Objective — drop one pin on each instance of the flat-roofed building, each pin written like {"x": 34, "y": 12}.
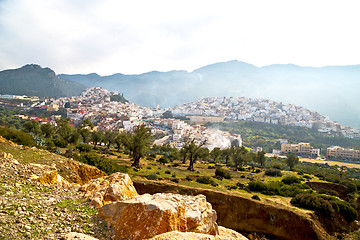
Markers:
{"x": 340, "y": 153}
{"x": 303, "y": 149}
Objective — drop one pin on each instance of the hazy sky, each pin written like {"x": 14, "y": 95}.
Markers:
{"x": 110, "y": 36}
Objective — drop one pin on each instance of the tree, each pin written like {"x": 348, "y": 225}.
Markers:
{"x": 32, "y": 127}
{"x": 84, "y": 130}
{"x": 239, "y": 156}
{"x": 215, "y": 154}
{"x": 191, "y": 149}
{"x": 65, "y": 131}
{"x": 260, "y": 158}
{"x": 137, "y": 142}
{"x": 292, "y": 161}
{"x": 85, "y": 135}
{"x": 97, "y": 136}
{"x": 117, "y": 141}
{"x": 226, "y": 153}
{"x": 47, "y": 130}
{"x": 109, "y": 138}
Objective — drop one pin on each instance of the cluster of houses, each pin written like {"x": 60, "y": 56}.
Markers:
{"x": 262, "y": 110}
{"x": 96, "y": 105}
{"x": 332, "y": 153}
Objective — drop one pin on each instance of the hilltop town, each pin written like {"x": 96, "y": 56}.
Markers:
{"x": 265, "y": 111}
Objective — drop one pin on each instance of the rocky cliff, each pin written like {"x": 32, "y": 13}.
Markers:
{"x": 248, "y": 215}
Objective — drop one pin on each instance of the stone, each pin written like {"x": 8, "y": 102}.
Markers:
{"x": 146, "y": 216}
{"x": 118, "y": 186}
{"x": 224, "y": 234}
{"x": 78, "y": 236}
{"x": 51, "y": 177}
{"x": 229, "y": 234}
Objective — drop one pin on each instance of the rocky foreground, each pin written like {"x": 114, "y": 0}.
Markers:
{"x": 30, "y": 209}
{"x": 37, "y": 203}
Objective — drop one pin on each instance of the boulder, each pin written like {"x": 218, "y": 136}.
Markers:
{"x": 118, "y": 186}
{"x": 146, "y": 216}
{"x": 224, "y": 234}
{"x": 78, "y": 236}
{"x": 83, "y": 173}
{"x": 51, "y": 177}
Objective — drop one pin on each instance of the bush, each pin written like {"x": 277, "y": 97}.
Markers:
{"x": 189, "y": 178}
{"x": 83, "y": 147}
{"x": 211, "y": 167}
{"x": 257, "y": 186}
{"x": 273, "y": 172}
{"x": 256, "y": 197}
{"x": 290, "y": 180}
{"x": 328, "y": 192}
{"x": 17, "y": 136}
{"x": 206, "y": 180}
{"x": 60, "y": 143}
{"x": 175, "y": 180}
{"x": 176, "y": 164}
{"x": 163, "y": 160}
{"x": 152, "y": 176}
{"x": 168, "y": 172}
{"x": 313, "y": 202}
{"x": 152, "y": 155}
{"x": 276, "y": 166}
{"x": 222, "y": 173}
{"x": 240, "y": 185}
{"x": 104, "y": 164}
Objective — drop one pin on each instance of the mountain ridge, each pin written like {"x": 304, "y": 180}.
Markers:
{"x": 331, "y": 90}
{"x": 33, "y": 80}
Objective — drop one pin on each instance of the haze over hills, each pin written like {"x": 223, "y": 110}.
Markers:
{"x": 33, "y": 80}
{"x": 332, "y": 91}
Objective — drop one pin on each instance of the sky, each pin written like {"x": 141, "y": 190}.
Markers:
{"x": 137, "y": 36}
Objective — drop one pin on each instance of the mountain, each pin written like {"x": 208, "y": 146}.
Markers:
{"x": 33, "y": 80}
{"x": 332, "y": 91}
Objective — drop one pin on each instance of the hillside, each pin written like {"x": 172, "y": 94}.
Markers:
{"x": 33, "y": 80}
{"x": 328, "y": 90}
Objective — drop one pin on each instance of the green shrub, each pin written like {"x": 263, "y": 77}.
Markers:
{"x": 273, "y": 172}
{"x": 313, "y": 202}
{"x": 17, "y": 136}
{"x": 206, "y": 180}
{"x": 189, "y": 178}
{"x": 152, "y": 176}
{"x": 176, "y": 164}
{"x": 152, "y": 155}
{"x": 257, "y": 186}
{"x": 163, "y": 160}
{"x": 104, "y": 164}
{"x": 328, "y": 192}
{"x": 83, "y": 147}
{"x": 290, "y": 180}
{"x": 256, "y": 197}
{"x": 175, "y": 180}
{"x": 343, "y": 207}
{"x": 211, "y": 167}
{"x": 168, "y": 172}
{"x": 61, "y": 143}
{"x": 222, "y": 173}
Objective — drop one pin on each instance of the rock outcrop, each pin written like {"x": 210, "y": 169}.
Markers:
{"x": 51, "y": 177}
{"x": 118, "y": 186}
{"x": 247, "y": 215}
{"x": 224, "y": 234}
{"x": 82, "y": 173}
{"x": 146, "y": 216}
